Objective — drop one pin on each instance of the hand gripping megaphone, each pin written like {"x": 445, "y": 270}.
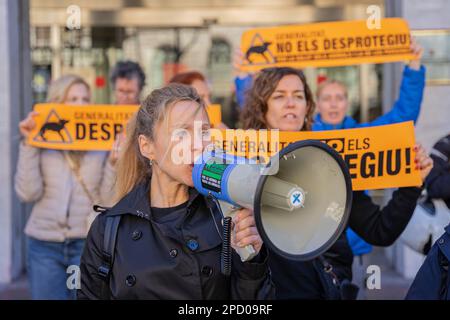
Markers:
{"x": 301, "y": 198}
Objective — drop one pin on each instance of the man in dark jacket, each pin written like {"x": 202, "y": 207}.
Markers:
{"x": 438, "y": 182}
{"x": 168, "y": 253}
{"x": 432, "y": 281}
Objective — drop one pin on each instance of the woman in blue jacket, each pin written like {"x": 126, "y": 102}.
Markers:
{"x": 332, "y": 100}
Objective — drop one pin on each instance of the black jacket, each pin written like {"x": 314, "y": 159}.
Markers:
{"x": 381, "y": 227}
{"x": 438, "y": 182}
{"x": 432, "y": 281}
{"x": 169, "y": 255}
{"x": 378, "y": 226}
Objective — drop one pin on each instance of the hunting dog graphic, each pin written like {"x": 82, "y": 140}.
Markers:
{"x": 262, "y": 49}
{"x": 53, "y": 126}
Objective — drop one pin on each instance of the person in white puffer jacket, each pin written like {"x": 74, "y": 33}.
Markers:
{"x": 63, "y": 185}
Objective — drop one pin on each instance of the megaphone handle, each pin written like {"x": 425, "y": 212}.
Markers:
{"x": 246, "y": 253}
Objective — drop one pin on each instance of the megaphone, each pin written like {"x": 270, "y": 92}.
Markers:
{"x": 301, "y": 198}
{"x": 427, "y": 224}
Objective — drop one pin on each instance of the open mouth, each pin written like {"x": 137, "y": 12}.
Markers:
{"x": 333, "y": 115}
{"x": 290, "y": 116}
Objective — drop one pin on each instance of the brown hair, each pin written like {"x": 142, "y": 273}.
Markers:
{"x": 255, "y": 109}
{"x": 187, "y": 77}
{"x": 132, "y": 167}
{"x": 328, "y": 82}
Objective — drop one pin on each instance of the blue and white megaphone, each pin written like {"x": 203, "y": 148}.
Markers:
{"x": 301, "y": 198}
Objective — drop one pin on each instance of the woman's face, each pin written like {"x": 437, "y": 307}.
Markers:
{"x": 202, "y": 90}
{"x": 332, "y": 103}
{"x": 287, "y": 105}
{"x": 180, "y": 139}
{"x": 78, "y": 94}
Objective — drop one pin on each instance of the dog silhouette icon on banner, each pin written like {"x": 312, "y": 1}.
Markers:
{"x": 259, "y": 48}
{"x": 54, "y": 130}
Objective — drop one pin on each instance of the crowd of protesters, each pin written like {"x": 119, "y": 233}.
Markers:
{"x": 159, "y": 210}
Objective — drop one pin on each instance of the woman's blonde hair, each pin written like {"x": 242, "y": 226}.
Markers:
{"x": 57, "y": 93}
{"x": 328, "y": 82}
{"x": 132, "y": 167}
{"x": 59, "y": 88}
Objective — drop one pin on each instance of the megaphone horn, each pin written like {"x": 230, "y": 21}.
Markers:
{"x": 321, "y": 215}
{"x": 300, "y": 209}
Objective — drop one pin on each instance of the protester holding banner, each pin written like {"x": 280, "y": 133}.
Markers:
{"x": 128, "y": 80}
{"x": 333, "y": 105}
{"x": 63, "y": 186}
{"x": 199, "y": 83}
{"x": 281, "y": 99}
{"x": 332, "y": 100}
{"x": 168, "y": 240}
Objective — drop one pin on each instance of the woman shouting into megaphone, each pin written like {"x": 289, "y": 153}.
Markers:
{"x": 166, "y": 243}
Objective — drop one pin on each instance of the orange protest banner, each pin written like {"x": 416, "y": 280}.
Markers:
{"x": 326, "y": 44}
{"x": 377, "y": 157}
{"x": 87, "y": 127}
{"x": 214, "y": 114}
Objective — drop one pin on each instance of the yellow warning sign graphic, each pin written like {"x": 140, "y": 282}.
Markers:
{"x": 54, "y": 130}
{"x": 259, "y": 47}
